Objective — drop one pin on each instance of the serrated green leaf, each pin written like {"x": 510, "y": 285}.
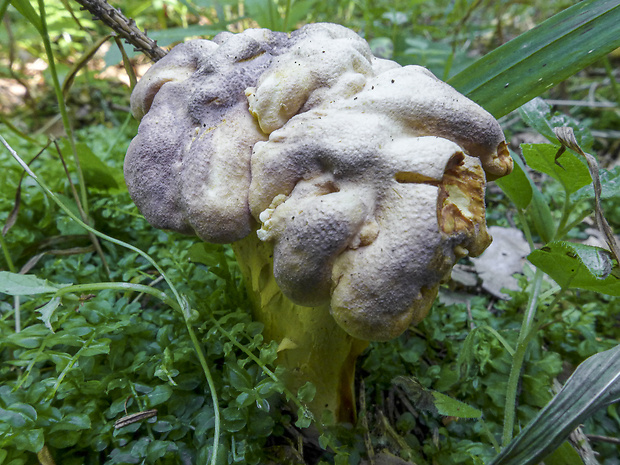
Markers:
{"x": 454, "y": 408}
{"x": 421, "y": 397}
{"x": 537, "y": 114}
{"x": 573, "y": 174}
{"x": 594, "y": 385}
{"x": 610, "y": 186}
{"x": 577, "y": 266}
{"x": 433, "y": 401}
{"x": 517, "y": 186}
{"x": 523, "y": 68}
{"x": 26, "y": 284}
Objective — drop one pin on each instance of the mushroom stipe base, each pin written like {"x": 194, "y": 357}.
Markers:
{"x": 311, "y": 345}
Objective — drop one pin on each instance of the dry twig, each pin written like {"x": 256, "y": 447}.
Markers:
{"x": 124, "y": 27}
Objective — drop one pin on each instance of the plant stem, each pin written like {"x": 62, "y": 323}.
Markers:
{"x": 525, "y": 336}
{"x": 71, "y": 215}
{"x": 124, "y": 27}
{"x": 12, "y": 269}
{"x": 62, "y": 106}
{"x": 18, "y": 314}
{"x": 7, "y": 255}
{"x": 566, "y": 210}
{"x": 205, "y": 368}
{"x": 79, "y": 288}
{"x": 526, "y": 229}
{"x": 69, "y": 366}
{"x": 575, "y": 222}
{"x": 82, "y": 202}
{"x": 83, "y": 215}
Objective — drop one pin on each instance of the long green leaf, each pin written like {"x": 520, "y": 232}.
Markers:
{"x": 26, "y": 284}
{"x": 4, "y": 4}
{"x": 28, "y": 12}
{"x": 594, "y": 384}
{"x": 81, "y": 63}
{"x": 523, "y": 68}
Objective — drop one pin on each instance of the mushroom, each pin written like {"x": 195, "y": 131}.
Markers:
{"x": 348, "y": 185}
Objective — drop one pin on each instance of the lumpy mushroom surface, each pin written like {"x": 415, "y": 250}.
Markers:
{"x": 367, "y": 177}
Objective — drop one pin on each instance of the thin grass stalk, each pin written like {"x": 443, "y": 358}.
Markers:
{"x": 80, "y": 288}
{"x": 7, "y": 254}
{"x": 82, "y": 200}
{"x": 525, "y": 336}
{"x": 62, "y": 105}
{"x": 92, "y": 237}
{"x": 11, "y": 127}
{"x": 12, "y": 269}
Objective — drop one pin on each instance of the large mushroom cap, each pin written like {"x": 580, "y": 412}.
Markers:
{"x": 367, "y": 177}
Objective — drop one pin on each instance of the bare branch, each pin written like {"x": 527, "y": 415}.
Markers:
{"x": 124, "y": 27}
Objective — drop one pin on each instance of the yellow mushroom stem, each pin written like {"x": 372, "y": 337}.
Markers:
{"x": 311, "y": 346}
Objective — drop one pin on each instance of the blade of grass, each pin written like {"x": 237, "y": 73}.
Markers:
{"x": 4, "y": 4}
{"x": 27, "y": 11}
{"x": 61, "y": 105}
{"x": 92, "y": 237}
{"x": 523, "y": 68}
{"x": 594, "y": 385}
{"x": 127, "y": 64}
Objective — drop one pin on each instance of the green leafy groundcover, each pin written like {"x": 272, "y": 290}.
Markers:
{"x": 73, "y": 370}
{"x": 110, "y": 354}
